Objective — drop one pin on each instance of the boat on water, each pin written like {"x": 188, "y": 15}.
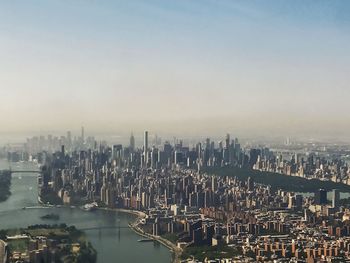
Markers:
{"x": 51, "y": 216}
{"x": 90, "y": 207}
{"x": 145, "y": 240}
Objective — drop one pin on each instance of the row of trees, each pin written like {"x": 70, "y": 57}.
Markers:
{"x": 278, "y": 181}
{"x": 5, "y": 183}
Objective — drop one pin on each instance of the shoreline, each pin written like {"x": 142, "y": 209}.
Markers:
{"x": 175, "y": 251}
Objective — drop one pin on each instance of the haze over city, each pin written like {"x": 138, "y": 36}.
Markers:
{"x": 255, "y": 68}
{"x": 174, "y": 131}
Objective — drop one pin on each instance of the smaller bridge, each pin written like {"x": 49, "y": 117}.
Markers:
{"x": 103, "y": 227}
{"x": 25, "y": 171}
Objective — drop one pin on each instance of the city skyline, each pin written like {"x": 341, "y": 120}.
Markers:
{"x": 285, "y": 202}
{"x": 174, "y": 131}
{"x": 258, "y": 69}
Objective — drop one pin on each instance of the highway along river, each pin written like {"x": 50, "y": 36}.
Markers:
{"x": 112, "y": 245}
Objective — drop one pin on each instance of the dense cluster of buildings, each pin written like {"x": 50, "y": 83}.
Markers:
{"x": 40, "y": 249}
{"x": 46, "y": 244}
{"x": 196, "y": 209}
{"x": 49, "y": 144}
{"x": 312, "y": 165}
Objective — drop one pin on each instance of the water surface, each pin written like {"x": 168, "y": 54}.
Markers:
{"x": 112, "y": 245}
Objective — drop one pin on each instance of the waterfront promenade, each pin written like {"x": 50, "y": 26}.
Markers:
{"x": 135, "y": 226}
{"x": 137, "y": 229}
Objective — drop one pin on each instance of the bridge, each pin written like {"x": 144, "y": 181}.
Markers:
{"x": 21, "y": 171}
{"x": 103, "y": 227}
{"x": 24, "y": 171}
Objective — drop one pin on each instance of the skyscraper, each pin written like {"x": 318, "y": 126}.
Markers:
{"x": 145, "y": 147}
{"x": 227, "y": 141}
{"x": 250, "y": 184}
{"x": 69, "y": 139}
{"x": 321, "y": 197}
{"x": 335, "y": 198}
{"x": 132, "y": 142}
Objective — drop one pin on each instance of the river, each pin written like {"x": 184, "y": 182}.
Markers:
{"x": 112, "y": 245}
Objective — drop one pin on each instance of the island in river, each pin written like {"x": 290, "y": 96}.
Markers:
{"x": 47, "y": 243}
{"x": 5, "y": 183}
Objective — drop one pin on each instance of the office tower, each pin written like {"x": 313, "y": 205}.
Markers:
{"x": 62, "y": 151}
{"x": 227, "y": 141}
{"x": 157, "y": 140}
{"x": 154, "y": 157}
{"x": 117, "y": 151}
{"x": 69, "y": 139}
{"x": 253, "y": 156}
{"x": 321, "y": 197}
{"x": 250, "y": 184}
{"x": 214, "y": 183}
{"x": 176, "y": 157}
{"x": 299, "y": 201}
{"x": 132, "y": 142}
{"x": 336, "y": 198}
{"x": 145, "y": 147}
{"x": 291, "y": 201}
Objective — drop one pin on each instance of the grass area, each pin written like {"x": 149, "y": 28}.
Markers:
{"x": 202, "y": 252}
{"x": 5, "y": 183}
{"x": 278, "y": 181}
{"x": 57, "y": 232}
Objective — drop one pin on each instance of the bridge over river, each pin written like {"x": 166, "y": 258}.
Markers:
{"x": 24, "y": 171}
{"x": 20, "y": 171}
{"x": 103, "y": 227}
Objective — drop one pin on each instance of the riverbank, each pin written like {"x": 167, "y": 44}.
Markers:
{"x": 137, "y": 213}
{"x": 111, "y": 244}
{"x": 171, "y": 246}
{"x": 138, "y": 230}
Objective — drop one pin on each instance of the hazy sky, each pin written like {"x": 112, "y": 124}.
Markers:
{"x": 245, "y": 66}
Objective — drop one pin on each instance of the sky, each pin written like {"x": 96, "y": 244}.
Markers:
{"x": 197, "y": 67}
